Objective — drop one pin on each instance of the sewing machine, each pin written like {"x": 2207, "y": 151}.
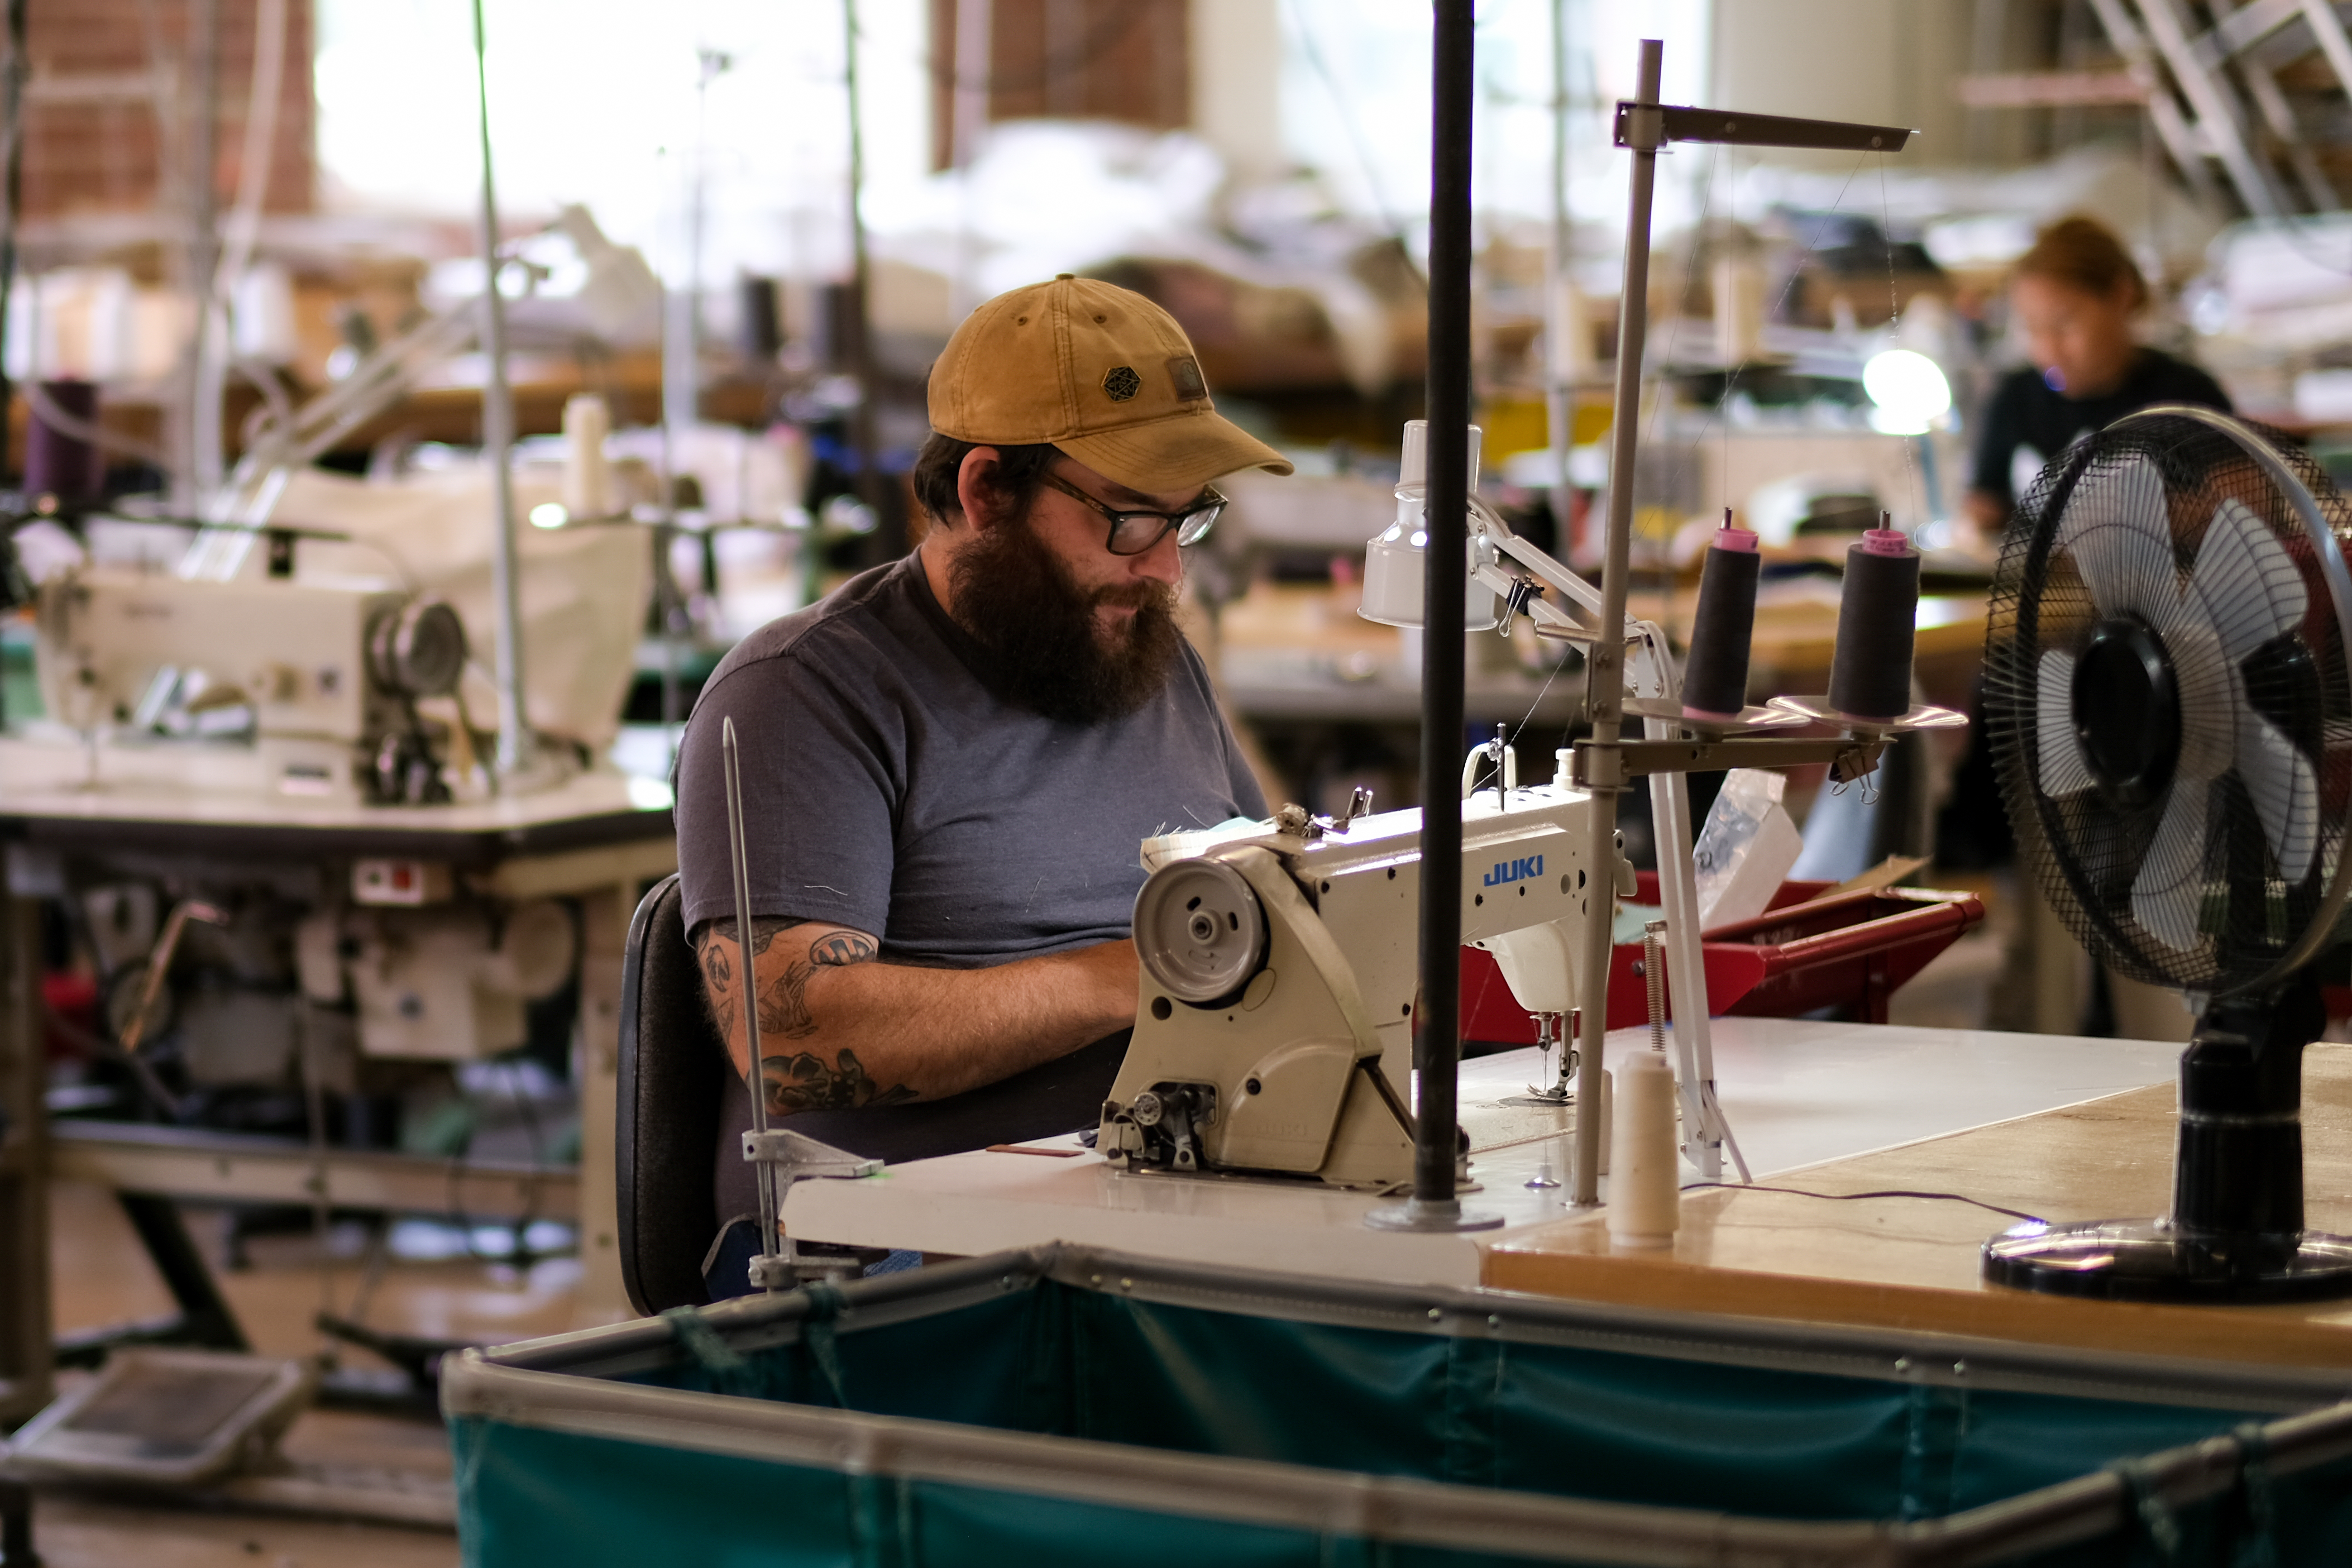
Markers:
{"x": 1272, "y": 1032}
{"x": 150, "y": 675}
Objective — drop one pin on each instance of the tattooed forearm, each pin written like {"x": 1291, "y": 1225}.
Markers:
{"x": 783, "y": 1001}
{"x": 802, "y": 1083}
{"x": 784, "y": 1011}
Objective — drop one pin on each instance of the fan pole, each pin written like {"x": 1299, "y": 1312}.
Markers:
{"x": 2237, "y": 1168}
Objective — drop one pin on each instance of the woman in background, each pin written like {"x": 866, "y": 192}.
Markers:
{"x": 2073, "y": 298}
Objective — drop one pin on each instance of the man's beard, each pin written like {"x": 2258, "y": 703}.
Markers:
{"x": 1038, "y": 628}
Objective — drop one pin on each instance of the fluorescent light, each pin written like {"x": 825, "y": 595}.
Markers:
{"x": 1909, "y": 389}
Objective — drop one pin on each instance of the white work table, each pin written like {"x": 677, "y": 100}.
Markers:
{"x": 1795, "y": 1093}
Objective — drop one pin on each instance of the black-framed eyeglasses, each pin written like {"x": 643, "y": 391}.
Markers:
{"x": 1133, "y": 532}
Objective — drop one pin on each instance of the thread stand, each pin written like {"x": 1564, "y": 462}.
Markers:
{"x": 1817, "y": 710}
{"x": 1756, "y": 718}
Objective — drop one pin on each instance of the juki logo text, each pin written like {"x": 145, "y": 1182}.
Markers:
{"x": 1514, "y": 871}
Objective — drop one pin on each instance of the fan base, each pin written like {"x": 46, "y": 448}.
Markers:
{"x": 2152, "y": 1260}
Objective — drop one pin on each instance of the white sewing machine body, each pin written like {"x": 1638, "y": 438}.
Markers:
{"x": 268, "y": 680}
{"x": 1293, "y": 977}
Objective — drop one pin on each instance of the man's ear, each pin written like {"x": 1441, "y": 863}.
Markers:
{"x": 976, "y": 490}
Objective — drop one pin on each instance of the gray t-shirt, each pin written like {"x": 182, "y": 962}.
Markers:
{"x": 887, "y": 788}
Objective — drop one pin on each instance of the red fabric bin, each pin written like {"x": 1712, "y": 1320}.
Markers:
{"x": 1855, "y": 949}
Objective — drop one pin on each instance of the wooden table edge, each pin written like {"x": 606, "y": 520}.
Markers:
{"x": 2259, "y": 1335}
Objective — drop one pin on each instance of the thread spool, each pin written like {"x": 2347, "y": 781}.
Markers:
{"x": 1871, "y": 676}
{"x": 1714, "y": 680}
{"x": 57, "y": 464}
{"x": 1644, "y": 1181}
{"x": 587, "y": 478}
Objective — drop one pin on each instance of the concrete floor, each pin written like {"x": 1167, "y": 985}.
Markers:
{"x": 102, "y": 1277}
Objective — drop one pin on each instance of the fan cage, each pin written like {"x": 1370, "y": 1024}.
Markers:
{"x": 2085, "y": 850}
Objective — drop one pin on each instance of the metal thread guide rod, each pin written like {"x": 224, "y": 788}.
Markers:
{"x": 779, "y": 1156}
{"x": 1605, "y": 664}
{"x": 1437, "y": 1020}
{"x": 771, "y": 1251}
{"x": 1606, "y": 762}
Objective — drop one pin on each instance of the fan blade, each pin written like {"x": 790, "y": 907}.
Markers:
{"x": 2245, "y": 584}
{"x": 2120, "y": 535}
{"x": 2285, "y": 791}
{"x": 2062, "y": 771}
{"x": 2169, "y": 891}
{"x": 2211, "y": 694}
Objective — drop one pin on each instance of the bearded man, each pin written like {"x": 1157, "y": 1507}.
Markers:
{"x": 950, "y": 762}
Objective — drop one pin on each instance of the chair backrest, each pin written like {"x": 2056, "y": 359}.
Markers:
{"x": 673, "y": 1074}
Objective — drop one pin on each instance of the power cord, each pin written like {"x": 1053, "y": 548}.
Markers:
{"x": 1853, "y": 1198}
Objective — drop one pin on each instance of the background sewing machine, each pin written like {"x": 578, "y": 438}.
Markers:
{"x": 263, "y": 685}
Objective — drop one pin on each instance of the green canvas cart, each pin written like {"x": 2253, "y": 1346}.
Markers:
{"x": 1067, "y": 1405}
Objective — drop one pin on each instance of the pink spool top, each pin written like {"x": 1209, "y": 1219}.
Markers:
{"x": 1735, "y": 538}
{"x": 1887, "y": 542}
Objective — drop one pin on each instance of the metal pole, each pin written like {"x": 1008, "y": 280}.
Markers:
{"x": 974, "y": 51}
{"x": 204, "y": 385}
{"x": 1605, "y": 666}
{"x": 1440, "y": 1019}
{"x": 861, "y": 353}
{"x": 738, "y": 867}
{"x": 1559, "y": 405}
{"x": 12, "y": 189}
{"x": 1437, "y": 1023}
{"x": 497, "y": 439}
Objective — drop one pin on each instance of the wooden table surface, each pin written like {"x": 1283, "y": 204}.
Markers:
{"x": 1912, "y": 1263}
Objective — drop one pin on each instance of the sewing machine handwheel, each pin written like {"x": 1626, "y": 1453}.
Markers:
{"x": 418, "y": 650}
{"x": 1199, "y": 930}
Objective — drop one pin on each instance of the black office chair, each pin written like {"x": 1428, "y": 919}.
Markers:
{"x": 673, "y": 1077}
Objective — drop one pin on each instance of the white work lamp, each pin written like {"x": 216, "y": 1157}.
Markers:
{"x": 1396, "y": 562}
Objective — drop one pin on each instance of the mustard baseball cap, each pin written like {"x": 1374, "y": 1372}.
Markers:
{"x": 1099, "y": 371}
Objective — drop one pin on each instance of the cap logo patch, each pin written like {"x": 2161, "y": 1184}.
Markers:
{"x": 1122, "y": 383}
{"x": 1186, "y": 371}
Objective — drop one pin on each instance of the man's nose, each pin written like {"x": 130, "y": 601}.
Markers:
{"x": 1163, "y": 563}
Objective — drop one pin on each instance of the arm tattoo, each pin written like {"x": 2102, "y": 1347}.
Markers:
{"x": 783, "y": 1006}
{"x": 802, "y": 1083}
{"x": 799, "y": 1083}
{"x": 719, "y": 966}
{"x": 843, "y": 948}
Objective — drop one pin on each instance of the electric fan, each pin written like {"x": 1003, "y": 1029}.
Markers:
{"x": 2166, "y": 697}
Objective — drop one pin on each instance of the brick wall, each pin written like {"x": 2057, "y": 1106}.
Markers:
{"x": 92, "y": 136}
{"x": 1080, "y": 59}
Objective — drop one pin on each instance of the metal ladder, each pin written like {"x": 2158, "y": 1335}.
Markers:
{"x": 2235, "y": 93}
